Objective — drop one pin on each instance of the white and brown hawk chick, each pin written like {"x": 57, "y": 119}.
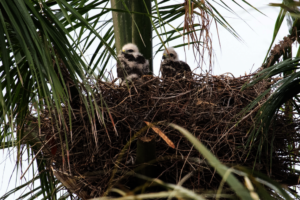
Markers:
{"x": 132, "y": 64}
{"x": 171, "y": 66}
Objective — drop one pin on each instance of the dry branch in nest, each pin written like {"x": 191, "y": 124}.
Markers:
{"x": 207, "y": 106}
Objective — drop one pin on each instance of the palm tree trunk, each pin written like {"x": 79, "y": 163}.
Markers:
{"x": 136, "y": 28}
{"x": 122, "y": 23}
{"x": 146, "y": 154}
{"x": 142, "y": 29}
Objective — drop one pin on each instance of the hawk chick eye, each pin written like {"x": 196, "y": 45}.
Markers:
{"x": 172, "y": 55}
{"x": 130, "y": 50}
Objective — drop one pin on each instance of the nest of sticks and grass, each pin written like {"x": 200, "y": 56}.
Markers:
{"x": 102, "y": 154}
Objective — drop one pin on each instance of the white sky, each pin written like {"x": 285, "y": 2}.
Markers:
{"x": 234, "y": 56}
{"x": 238, "y": 57}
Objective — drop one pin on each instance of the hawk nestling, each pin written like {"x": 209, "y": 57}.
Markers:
{"x": 132, "y": 64}
{"x": 171, "y": 66}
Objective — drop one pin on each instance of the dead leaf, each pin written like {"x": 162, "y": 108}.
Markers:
{"x": 161, "y": 134}
{"x": 113, "y": 123}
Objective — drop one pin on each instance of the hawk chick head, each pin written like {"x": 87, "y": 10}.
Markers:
{"x": 130, "y": 48}
{"x": 170, "y": 54}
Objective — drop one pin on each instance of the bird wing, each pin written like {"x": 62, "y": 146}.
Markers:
{"x": 137, "y": 62}
{"x": 145, "y": 69}
{"x": 122, "y": 67}
{"x": 142, "y": 64}
{"x": 177, "y": 66}
{"x": 185, "y": 66}
{"x": 186, "y": 70}
{"x": 121, "y": 70}
{"x": 140, "y": 59}
{"x": 180, "y": 66}
{"x": 168, "y": 69}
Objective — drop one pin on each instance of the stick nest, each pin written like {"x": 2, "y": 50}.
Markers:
{"x": 206, "y": 105}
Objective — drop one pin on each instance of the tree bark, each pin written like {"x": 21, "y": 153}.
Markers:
{"x": 122, "y": 23}
{"x": 142, "y": 29}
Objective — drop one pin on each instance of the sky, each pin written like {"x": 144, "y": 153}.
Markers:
{"x": 240, "y": 57}
{"x": 234, "y": 56}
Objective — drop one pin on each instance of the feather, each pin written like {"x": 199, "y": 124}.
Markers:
{"x": 133, "y": 64}
{"x": 171, "y": 66}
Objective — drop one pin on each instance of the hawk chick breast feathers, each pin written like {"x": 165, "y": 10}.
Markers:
{"x": 171, "y": 66}
{"x": 132, "y": 64}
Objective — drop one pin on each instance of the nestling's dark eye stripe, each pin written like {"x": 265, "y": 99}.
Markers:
{"x": 171, "y": 54}
{"x": 130, "y": 50}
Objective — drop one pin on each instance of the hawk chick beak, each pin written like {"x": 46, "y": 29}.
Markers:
{"x": 164, "y": 56}
{"x": 123, "y": 50}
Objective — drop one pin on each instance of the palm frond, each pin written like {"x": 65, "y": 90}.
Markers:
{"x": 284, "y": 90}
